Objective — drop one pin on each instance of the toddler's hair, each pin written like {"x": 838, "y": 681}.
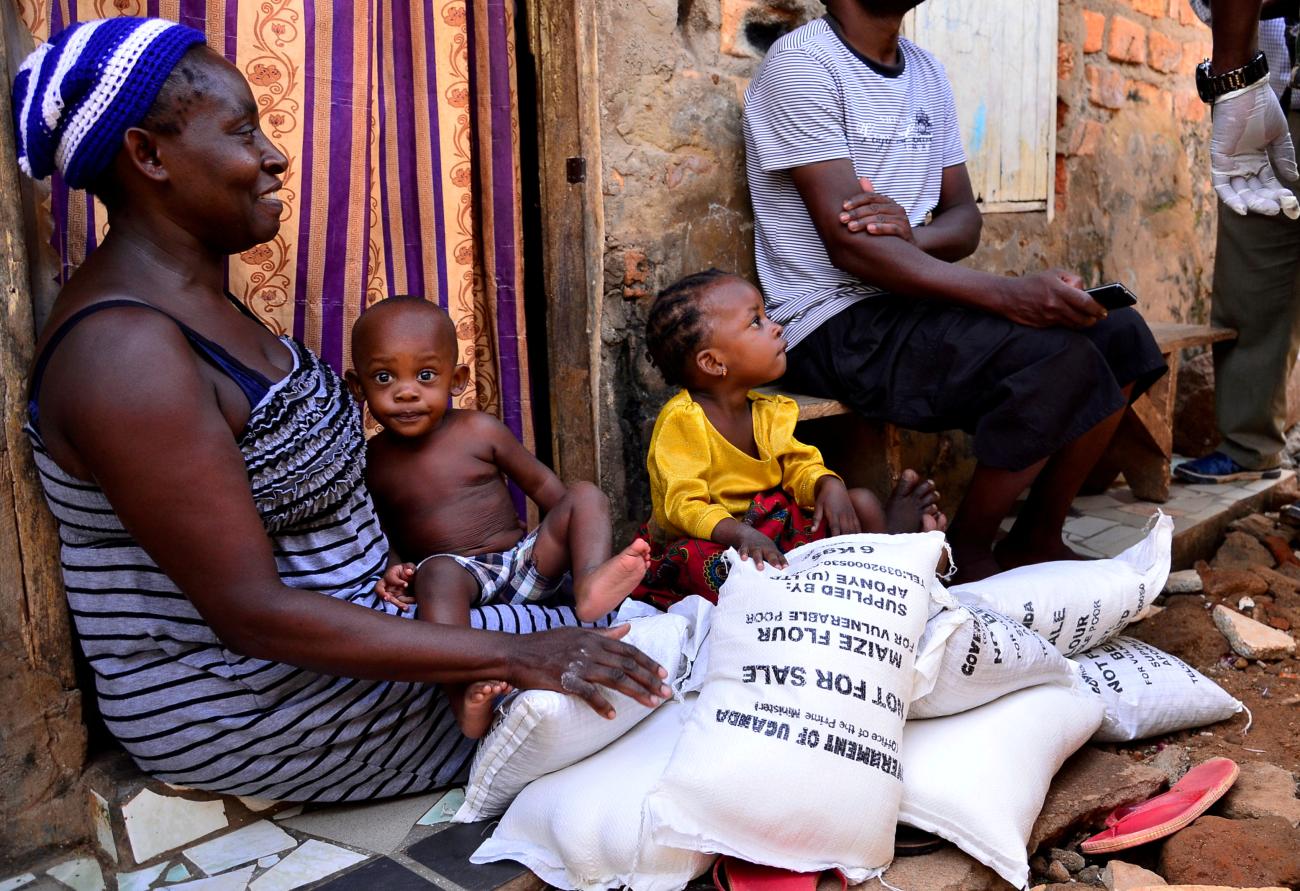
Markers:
{"x": 677, "y": 326}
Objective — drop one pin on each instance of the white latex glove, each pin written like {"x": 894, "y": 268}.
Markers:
{"x": 1251, "y": 138}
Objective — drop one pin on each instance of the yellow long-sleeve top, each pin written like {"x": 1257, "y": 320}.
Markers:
{"x": 698, "y": 479}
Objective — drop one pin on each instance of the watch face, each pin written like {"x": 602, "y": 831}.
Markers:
{"x": 1204, "y": 86}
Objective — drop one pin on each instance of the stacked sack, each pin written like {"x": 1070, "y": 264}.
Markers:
{"x": 804, "y": 677}
{"x": 1008, "y": 707}
{"x": 791, "y": 757}
{"x": 803, "y": 685}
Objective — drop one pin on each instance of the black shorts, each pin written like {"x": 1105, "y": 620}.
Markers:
{"x": 1022, "y": 392}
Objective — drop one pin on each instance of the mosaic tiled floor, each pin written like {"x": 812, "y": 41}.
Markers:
{"x": 396, "y": 845}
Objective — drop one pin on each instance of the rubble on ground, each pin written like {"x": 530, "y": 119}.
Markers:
{"x": 1240, "y": 853}
{"x": 1235, "y": 619}
{"x": 946, "y": 869}
{"x": 1263, "y": 790}
{"x": 1121, "y": 876}
{"x": 1087, "y": 788}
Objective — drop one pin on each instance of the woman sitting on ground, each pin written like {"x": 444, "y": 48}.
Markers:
{"x": 220, "y": 549}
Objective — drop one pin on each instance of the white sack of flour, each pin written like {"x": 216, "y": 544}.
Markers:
{"x": 1078, "y": 604}
{"x": 583, "y": 828}
{"x": 971, "y": 655}
{"x": 1147, "y": 692}
{"x": 541, "y": 731}
{"x": 978, "y": 779}
{"x": 791, "y": 756}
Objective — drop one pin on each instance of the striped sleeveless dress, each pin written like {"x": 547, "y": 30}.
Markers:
{"x": 193, "y": 713}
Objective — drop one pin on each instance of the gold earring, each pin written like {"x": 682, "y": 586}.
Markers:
{"x": 724, "y": 371}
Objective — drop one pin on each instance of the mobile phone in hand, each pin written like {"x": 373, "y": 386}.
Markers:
{"x": 1113, "y": 296}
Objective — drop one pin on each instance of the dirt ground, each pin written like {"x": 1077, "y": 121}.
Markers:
{"x": 1271, "y": 690}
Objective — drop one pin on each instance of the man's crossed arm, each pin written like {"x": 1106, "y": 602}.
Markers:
{"x": 917, "y": 263}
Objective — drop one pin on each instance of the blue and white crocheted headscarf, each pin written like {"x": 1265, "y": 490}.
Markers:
{"x": 76, "y": 95}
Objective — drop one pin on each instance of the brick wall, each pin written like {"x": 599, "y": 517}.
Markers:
{"x": 1132, "y": 195}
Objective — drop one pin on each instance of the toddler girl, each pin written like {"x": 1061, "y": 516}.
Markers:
{"x": 725, "y": 468}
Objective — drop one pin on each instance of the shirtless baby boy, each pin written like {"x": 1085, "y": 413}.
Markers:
{"x": 438, "y": 476}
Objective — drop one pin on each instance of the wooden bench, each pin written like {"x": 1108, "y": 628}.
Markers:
{"x": 873, "y": 454}
{"x": 1144, "y": 442}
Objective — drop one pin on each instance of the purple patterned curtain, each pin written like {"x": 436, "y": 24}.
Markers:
{"x": 400, "y": 122}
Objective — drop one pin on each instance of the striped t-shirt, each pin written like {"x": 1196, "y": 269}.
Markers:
{"x": 816, "y": 99}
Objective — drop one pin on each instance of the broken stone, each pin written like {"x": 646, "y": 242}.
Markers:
{"x": 1281, "y": 623}
{"x": 1057, "y": 872}
{"x": 1240, "y": 664}
{"x": 1090, "y": 875}
{"x": 1246, "y": 603}
{"x": 1071, "y": 860}
{"x": 1173, "y": 762}
{"x": 1226, "y": 583}
{"x": 1241, "y": 551}
{"x": 1184, "y": 581}
{"x": 1238, "y": 853}
{"x": 947, "y": 869}
{"x": 1250, "y": 638}
{"x": 1164, "y": 887}
{"x": 1257, "y": 525}
{"x": 1280, "y": 548}
{"x": 1263, "y": 790}
{"x": 1121, "y": 876}
{"x": 1087, "y": 788}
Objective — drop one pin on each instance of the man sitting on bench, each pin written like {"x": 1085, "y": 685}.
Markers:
{"x": 877, "y": 313}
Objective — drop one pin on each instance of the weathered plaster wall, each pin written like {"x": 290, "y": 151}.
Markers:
{"x": 1132, "y": 200}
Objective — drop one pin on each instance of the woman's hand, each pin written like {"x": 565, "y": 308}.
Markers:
{"x": 835, "y": 507}
{"x": 875, "y": 213}
{"x": 580, "y": 661}
{"x": 394, "y": 585}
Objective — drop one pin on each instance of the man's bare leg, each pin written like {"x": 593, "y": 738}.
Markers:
{"x": 1036, "y": 535}
{"x": 444, "y": 591}
{"x": 990, "y": 497}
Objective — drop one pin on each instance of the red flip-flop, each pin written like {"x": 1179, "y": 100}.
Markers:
{"x": 1187, "y": 799}
{"x": 742, "y": 876}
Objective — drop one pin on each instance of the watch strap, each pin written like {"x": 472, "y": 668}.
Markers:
{"x": 1212, "y": 86}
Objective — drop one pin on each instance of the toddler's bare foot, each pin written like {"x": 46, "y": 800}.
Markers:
{"x": 606, "y": 586}
{"x": 475, "y": 710}
{"x": 913, "y": 506}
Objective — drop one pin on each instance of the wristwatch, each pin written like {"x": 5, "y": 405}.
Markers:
{"x": 1212, "y": 86}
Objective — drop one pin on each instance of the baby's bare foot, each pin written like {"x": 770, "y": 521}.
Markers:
{"x": 913, "y": 506}
{"x": 606, "y": 586}
{"x": 476, "y": 706}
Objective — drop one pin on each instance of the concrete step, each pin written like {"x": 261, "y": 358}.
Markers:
{"x": 1103, "y": 525}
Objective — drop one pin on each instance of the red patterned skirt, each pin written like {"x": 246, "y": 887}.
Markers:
{"x": 696, "y": 566}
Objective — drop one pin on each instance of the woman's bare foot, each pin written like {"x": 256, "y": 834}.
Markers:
{"x": 605, "y": 587}
{"x": 476, "y": 706}
{"x": 1012, "y": 552}
{"x": 913, "y": 506}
